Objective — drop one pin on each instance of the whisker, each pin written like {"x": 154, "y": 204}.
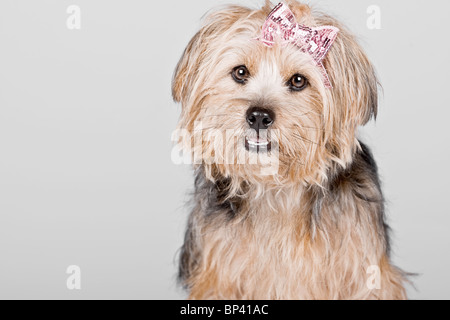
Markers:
{"x": 215, "y": 115}
{"x": 305, "y": 139}
{"x": 309, "y": 112}
{"x": 312, "y": 128}
{"x": 210, "y": 128}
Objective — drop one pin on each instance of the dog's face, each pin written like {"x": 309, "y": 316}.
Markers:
{"x": 255, "y": 104}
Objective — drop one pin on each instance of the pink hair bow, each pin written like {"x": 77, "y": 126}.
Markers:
{"x": 316, "y": 42}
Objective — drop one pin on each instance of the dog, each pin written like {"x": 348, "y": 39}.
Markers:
{"x": 292, "y": 86}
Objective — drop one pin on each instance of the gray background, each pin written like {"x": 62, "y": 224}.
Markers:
{"x": 86, "y": 116}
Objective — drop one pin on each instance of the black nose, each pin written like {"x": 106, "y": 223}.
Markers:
{"x": 259, "y": 118}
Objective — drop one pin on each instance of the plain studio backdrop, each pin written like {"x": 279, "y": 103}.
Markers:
{"x": 86, "y": 116}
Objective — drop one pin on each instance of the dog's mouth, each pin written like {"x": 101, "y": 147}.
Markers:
{"x": 257, "y": 144}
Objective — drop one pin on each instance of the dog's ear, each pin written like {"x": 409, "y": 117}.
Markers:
{"x": 187, "y": 70}
{"x": 355, "y": 84}
{"x": 301, "y": 11}
{"x": 187, "y": 67}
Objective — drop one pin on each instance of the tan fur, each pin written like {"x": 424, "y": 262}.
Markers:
{"x": 275, "y": 248}
{"x": 271, "y": 254}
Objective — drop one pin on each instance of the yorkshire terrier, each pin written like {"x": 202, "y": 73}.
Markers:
{"x": 287, "y": 201}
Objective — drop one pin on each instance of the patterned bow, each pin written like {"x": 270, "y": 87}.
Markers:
{"x": 316, "y": 42}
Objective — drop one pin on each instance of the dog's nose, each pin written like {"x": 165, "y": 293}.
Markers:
{"x": 259, "y": 118}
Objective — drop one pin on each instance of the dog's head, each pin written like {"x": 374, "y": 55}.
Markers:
{"x": 242, "y": 99}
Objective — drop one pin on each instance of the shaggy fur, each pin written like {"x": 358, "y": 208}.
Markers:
{"x": 312, "y": 229}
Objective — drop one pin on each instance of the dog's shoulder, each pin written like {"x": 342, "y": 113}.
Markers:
{"x": 366, "y": 160}
{"x": 361, "y": 174}
{"x": 361, "y": 181}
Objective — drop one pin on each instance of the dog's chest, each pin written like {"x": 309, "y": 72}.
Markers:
{"x": 274, "y": 248}
{"x": 263, "y": 255}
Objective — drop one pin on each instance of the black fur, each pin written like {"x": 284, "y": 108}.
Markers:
{"x": 215, "y": 196}
{"x": 360, "y": 177}
{"x": 211, "y": 201}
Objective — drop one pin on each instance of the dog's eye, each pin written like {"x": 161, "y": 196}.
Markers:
{"x": 297, "y": 82}
{"x": 240, "y": 74}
